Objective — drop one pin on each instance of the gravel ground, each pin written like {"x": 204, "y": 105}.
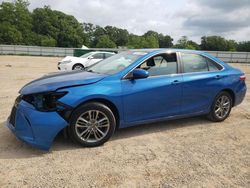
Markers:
{"x": 190, "y": 152}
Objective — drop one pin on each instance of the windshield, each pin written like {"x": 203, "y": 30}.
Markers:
{"x": 115, "y": 63}
{"x": 87, "y": 55}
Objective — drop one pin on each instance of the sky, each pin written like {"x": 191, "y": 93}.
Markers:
{"x": 192, "y": 18}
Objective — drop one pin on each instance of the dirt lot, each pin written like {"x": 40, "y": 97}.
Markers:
{"x": 189, "y": 152}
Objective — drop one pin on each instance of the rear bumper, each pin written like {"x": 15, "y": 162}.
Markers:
{"x": 35, "y": 128}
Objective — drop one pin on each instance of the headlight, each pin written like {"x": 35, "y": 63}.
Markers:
{"x": 68, "y": 61}
{"x": 45, "y": 101}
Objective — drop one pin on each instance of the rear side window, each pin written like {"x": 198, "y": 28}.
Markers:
{"x": 106, "y": 55}
{"x": 198, "y": 63}
{"x": 212, "y": 66}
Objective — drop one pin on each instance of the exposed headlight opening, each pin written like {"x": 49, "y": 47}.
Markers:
{"x": 46, "y": 101}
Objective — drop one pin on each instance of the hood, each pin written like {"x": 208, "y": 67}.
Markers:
{"x": 54, "y": 81}
{"x": 72, "y": 58}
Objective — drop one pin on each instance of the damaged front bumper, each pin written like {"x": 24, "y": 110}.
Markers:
{"x": 35, "y": 127}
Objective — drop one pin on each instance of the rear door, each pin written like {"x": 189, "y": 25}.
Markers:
{"x": 201, "y": 82}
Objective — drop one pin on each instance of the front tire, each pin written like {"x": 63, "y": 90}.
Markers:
{"x": 78, "y": 67}
{"x": 92, "y": 124}
{"x": 221, "y": 107}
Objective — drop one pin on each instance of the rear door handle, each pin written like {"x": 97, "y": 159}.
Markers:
{"x": 175, "y": 82}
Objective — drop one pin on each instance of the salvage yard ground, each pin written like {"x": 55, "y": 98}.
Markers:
{"x": 189, "y": 152}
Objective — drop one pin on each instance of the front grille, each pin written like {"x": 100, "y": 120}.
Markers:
{"x": 13, "y": 116}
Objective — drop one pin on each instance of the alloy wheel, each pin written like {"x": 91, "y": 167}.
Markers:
{"x": 92, "y": 126}
{"x": 222, "y": 106}
{"x": 78, "y": 67}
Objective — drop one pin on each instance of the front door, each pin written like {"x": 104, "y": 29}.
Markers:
{"x": 157, "y": 96}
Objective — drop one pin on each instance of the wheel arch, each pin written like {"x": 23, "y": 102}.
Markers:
{"x": 232, "y": 94}
{"x": 77, "y": 64}
{"x": 107, "y": 103}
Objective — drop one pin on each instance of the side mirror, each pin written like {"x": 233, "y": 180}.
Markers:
{"x": 90, "y": 57}
{"x": 139, "y": 74}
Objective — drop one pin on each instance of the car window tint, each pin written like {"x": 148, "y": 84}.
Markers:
{"x": 98, "y": 56}
{"x": 108, "y": 55}
{"x": 162, "y": 64}
{"x": 194, "y": 63}
{"x": 212, "y": 66}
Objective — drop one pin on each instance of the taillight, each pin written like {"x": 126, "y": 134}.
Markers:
{"x": 243, "y": 77}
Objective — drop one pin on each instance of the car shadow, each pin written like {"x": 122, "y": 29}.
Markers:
{"x": 160, "y": 126}
{"x": 11, "y": 147}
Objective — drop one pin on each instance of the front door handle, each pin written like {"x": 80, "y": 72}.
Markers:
{"x": 175, "y": 82}
{"x": 217, "y": 77}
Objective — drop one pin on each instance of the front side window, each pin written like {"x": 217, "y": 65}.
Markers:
{"x": 163, "y": 64}
{"x": 98, "y": 56}
{"x": 87, "y": 55}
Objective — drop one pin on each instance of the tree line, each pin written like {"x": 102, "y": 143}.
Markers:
{"x": 47, "y": 27}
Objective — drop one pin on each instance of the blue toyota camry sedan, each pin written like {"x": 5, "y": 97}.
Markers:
{"x": 132, "y": 87}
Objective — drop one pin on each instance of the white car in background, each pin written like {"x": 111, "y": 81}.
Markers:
{"x": 80, "y": 63}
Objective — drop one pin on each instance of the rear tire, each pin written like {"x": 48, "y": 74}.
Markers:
{"x": 92, "y": 124}
{"x": 221, "y": 107}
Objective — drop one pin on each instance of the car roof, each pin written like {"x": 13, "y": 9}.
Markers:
{"x": 150, "y": 50}
{"x": 103, "y": 52}
{"x": 173, "y": 50}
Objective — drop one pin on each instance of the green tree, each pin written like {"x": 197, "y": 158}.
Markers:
{"x": 98, "y": 33}
{"x": 135, "y": 41}
{"x": 63, "y": 28}
{"x": 48, "y": 41}
{"x": 243, "y": 46}
{"x": 9, "y": 34}
{"x": 231, "y": 45}
{"x": 48, "y": 27}
{"x": 184, "y": 43}
{"x": 44, "y": 22}
{"x": 150, "y": 42}
{"x": 88, "y": 37}
{"x": 215, "y": 43}
{"x": 151, "y": 33}
{"x": 163, "y": 41}
{"x": 192, "y": 45}
{"x": 23, "y": 20}
{"x": 119, "y": 36}
{"x": 105, "y": 42}
{"x": 15, "y": 20}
